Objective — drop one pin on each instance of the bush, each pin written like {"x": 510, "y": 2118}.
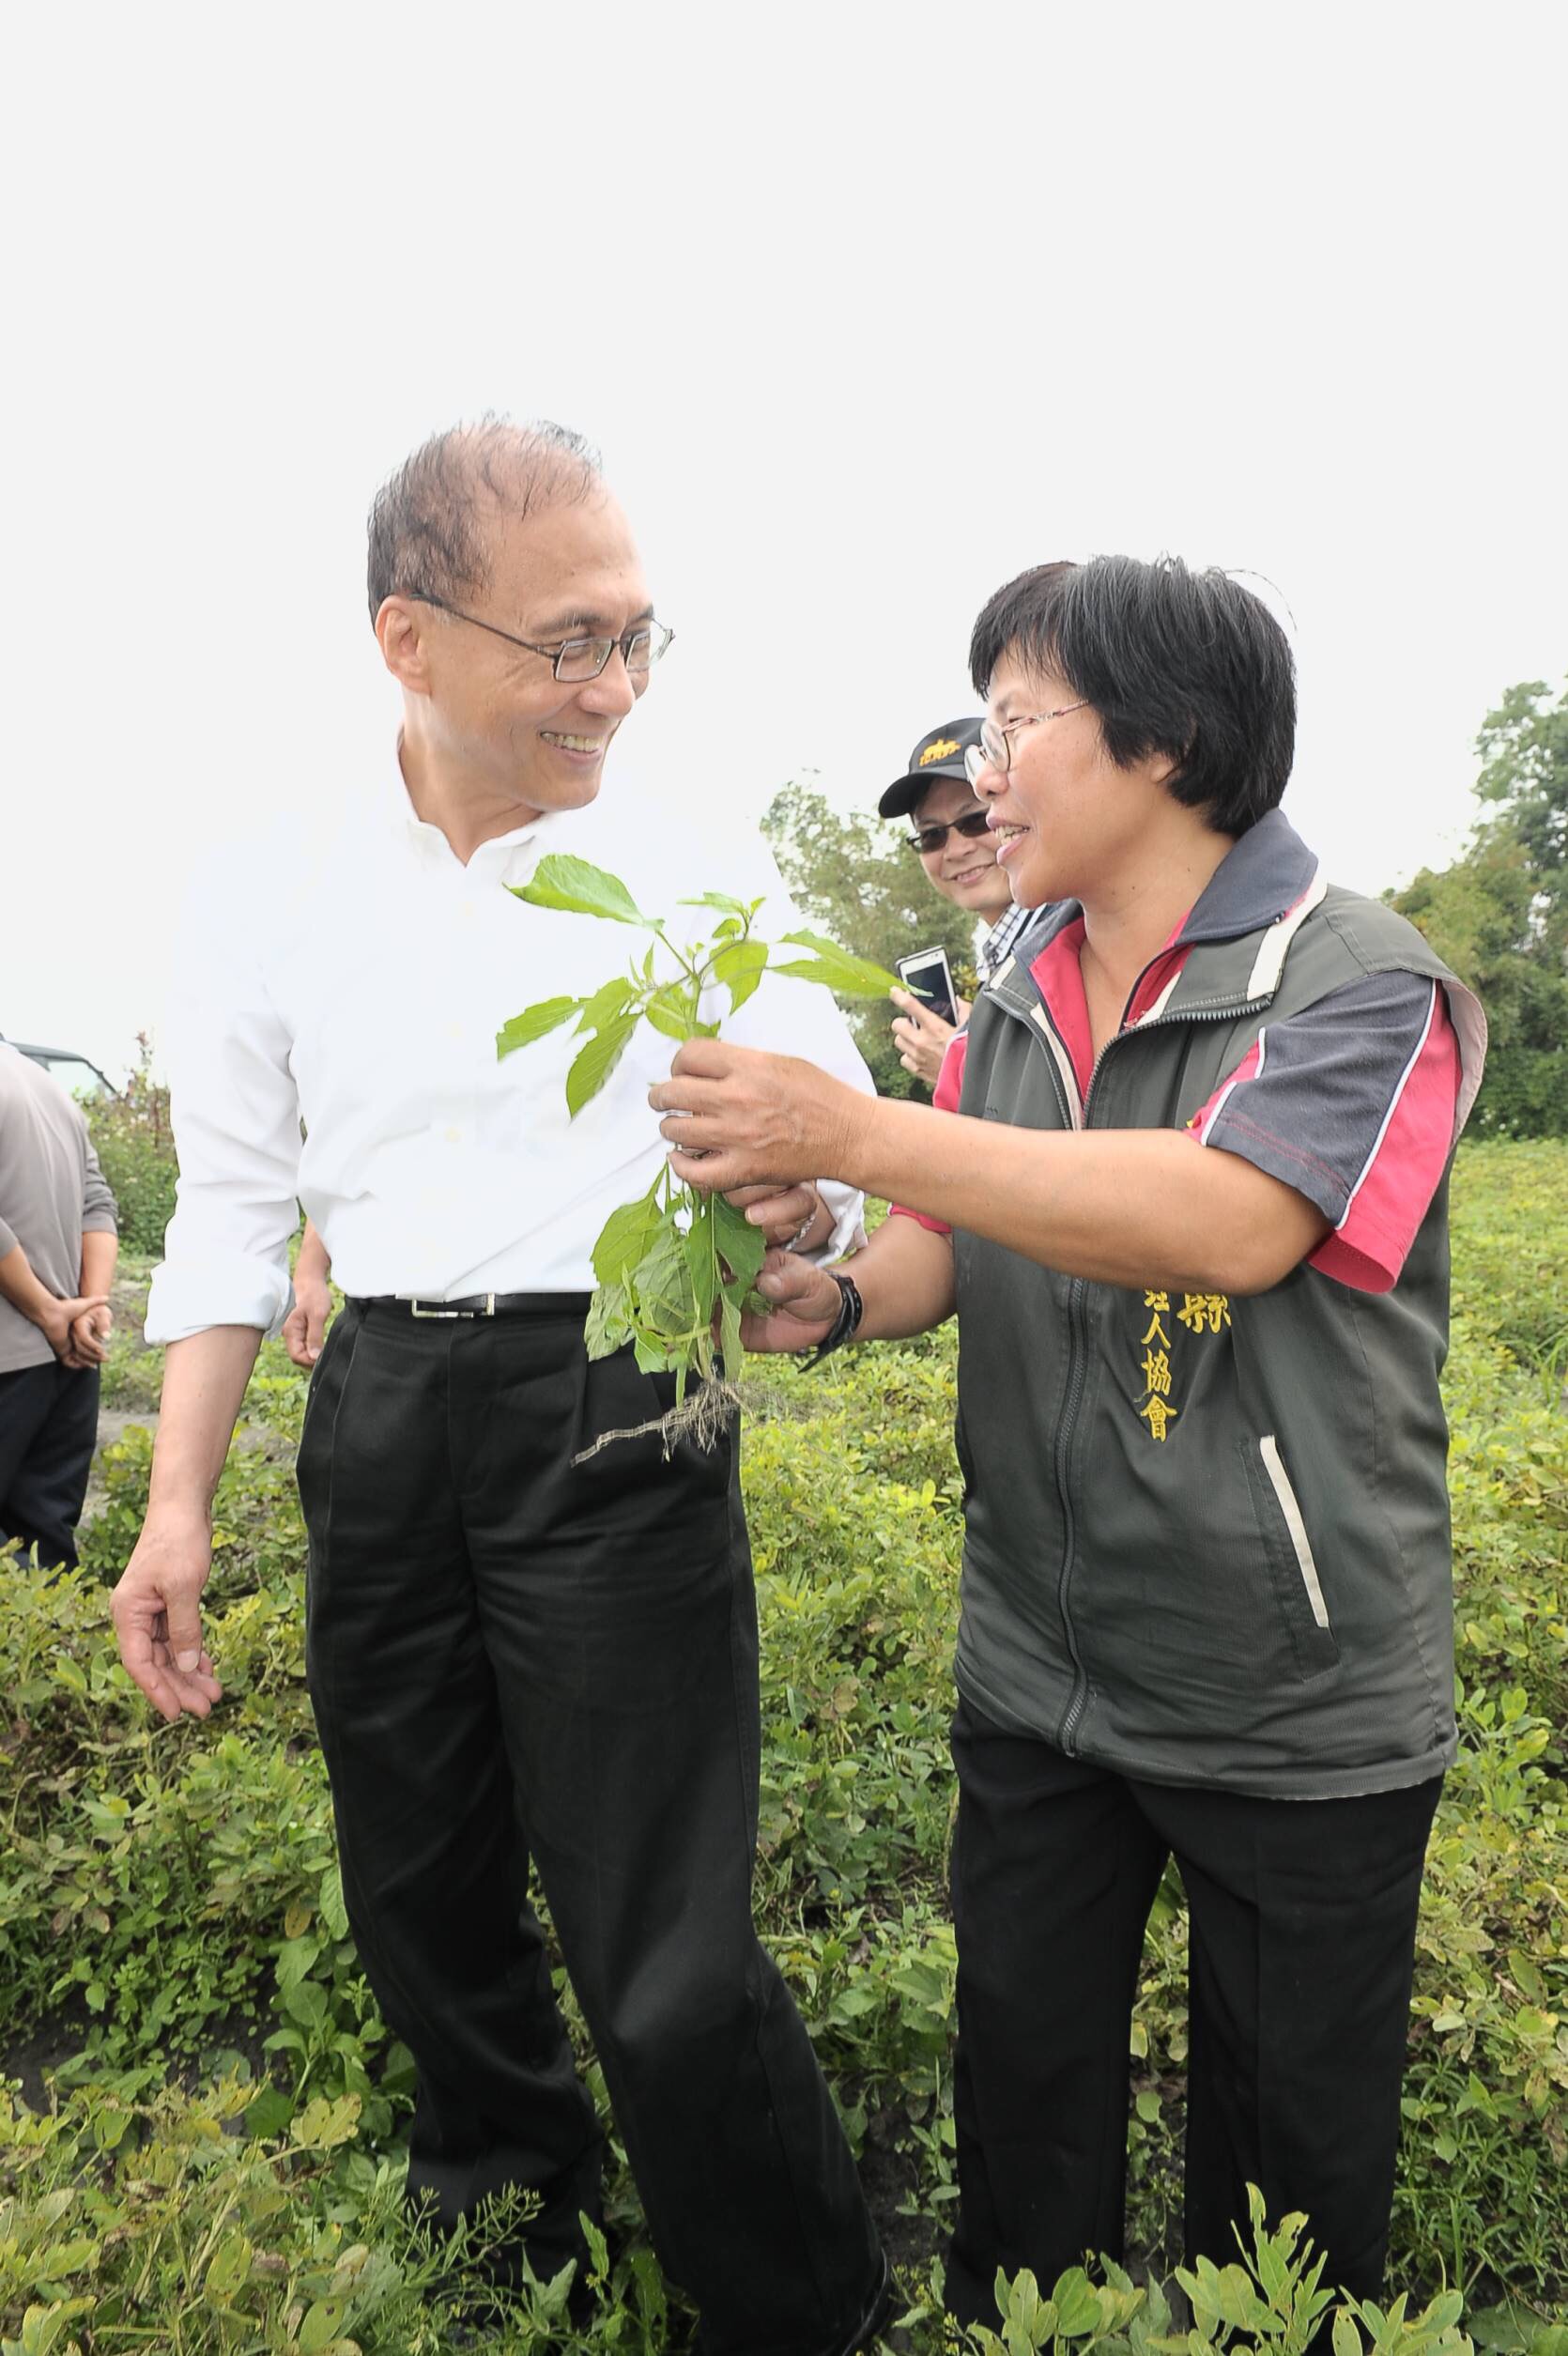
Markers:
{"x": 136, "y": 1149}
{"x": 169, "y": 1903}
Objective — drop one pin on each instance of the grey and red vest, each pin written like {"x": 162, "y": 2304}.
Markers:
{"x": 1243, "y": 1578}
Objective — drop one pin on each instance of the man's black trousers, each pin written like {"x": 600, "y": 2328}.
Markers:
{"x": 48, "y": 1433}
{"x": 1301, "y": 1940}
{"x": 511, "y": 1657}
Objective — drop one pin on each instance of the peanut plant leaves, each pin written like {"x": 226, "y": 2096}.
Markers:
{"x": 730, "y": 1334}
{"x": 676, "y": 1261}
{"x": 609, "y": 1320}
{"x": 592, "y": 1067}
{"x": 857, "y": 977}
{"x": 741, "y": 1246}
{"x": 743, "y": 910}
{"x": 625, "y": 1239}
{"x": 740, "y": 966}
{"x": 561, "y": 880}
{"x": 661, "y": 1286}
{"x": 702, "y": 1262}
{"x": 671, "y": 1011}
{"x": 533, "y": 1023}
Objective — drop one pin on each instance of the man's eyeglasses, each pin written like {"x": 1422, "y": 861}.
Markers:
{"x": 974, "y": 823}
{"x": 574, "y": 660}
{"x": 994, "y": 749}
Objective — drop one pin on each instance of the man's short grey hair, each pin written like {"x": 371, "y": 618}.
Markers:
{"x": 429, "y": 522}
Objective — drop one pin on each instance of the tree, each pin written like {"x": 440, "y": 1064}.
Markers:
{"x": 1499, "y": 913}
{"x": 850, "y": 877}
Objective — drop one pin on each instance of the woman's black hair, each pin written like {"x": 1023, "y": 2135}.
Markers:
{"x": 1190, "y": 666}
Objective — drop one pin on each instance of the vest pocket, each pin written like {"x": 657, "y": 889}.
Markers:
{"x": 1288, "y": 1550}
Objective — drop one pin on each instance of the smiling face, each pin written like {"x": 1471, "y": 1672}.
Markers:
{"x": 492, "y": 717}
{"x": 1069, "y": 823}
{"x": 965, "y": 871}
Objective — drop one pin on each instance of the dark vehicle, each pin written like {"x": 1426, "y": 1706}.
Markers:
{"x": 76, "y": 1074}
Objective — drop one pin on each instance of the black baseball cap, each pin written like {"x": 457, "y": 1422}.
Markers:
{"x": 938, "y": 755}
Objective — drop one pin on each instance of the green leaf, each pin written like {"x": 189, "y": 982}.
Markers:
{"x": 320, "y": 2325}
{"x": 563, "y": 882}
{"x": 739, "y": 967}
{"x": 608, "y": 1327}
{"x": 610, "y": 999}
{"x": 1347, "y": 2339}
{"x": 742, "y": 1246}
{"x": 598, "y": 2248}
{"x": 722, "y": 901}
{"x": 1077, "y": 2305}
{"x": 857, "y": 977}
{"x": 625, "y": 1238}
{"x": 533, "y": 1024}
{"x": 268, "y": 2114}
{"x": 593, "y": 1064}
{"x": 228, "y": 2268}
{"x": 653, "y": 1356}
{"x": 703, "y": 1259}
{"x": 729, "y": 1333}
{"x": 322, "y": 2125}
{"x": 671, "y": 1010}
{"x": 334, "y": 1913}
{"x": 661, "y": 1286}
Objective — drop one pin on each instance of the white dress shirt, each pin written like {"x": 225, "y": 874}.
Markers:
{"x": 352, "y": 977}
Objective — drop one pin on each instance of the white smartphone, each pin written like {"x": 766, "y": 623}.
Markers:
{"x": 927, "y": 975}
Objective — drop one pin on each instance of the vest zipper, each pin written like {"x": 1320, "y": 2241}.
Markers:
{"x": 1078, "y": 1351}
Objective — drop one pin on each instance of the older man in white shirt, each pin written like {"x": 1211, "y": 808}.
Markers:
{"x": 510, "y": 1653}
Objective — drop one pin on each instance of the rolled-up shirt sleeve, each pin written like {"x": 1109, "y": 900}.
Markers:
{"x": 7, "y": 1241}
{"x": 237, "y": 1128}
{"x": 100, "y": 1212}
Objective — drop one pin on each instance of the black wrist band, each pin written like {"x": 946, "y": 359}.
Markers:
{"x": 846, "y": 1324}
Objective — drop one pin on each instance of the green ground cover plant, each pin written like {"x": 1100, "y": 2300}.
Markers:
{"x": 200, "y": 2149}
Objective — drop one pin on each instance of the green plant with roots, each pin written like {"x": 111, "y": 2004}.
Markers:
{"x": 676, "y": 1267}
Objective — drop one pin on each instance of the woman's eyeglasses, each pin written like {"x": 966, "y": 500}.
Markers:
{"x": 972, "y": 824}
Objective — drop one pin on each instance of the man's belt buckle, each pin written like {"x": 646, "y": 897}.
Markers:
{"x": 437, "y": 1309}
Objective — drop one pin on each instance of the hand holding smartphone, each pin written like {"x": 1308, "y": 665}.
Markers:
{"x": 927, "y": 976}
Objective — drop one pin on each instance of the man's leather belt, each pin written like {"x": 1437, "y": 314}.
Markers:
{"x": 485, "y": 1305}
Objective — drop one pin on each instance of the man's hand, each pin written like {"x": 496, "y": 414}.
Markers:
{"x": 89, "y": 1337}
{"x": 805, "y": 1306}
{"x": 921, "y": 1036}
{"x": 57, "y": 1320}
{"x": 740, "y": 1118}
{"x": 306, "y": 1322}
{"x": 156, "y": 1613}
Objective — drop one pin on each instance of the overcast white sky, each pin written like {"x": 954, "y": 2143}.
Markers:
{"x": 869, "y": 307}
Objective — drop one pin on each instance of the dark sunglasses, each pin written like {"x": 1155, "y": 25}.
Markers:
{"x": 972, "y": 824}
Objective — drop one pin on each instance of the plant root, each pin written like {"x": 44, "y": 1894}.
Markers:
{"x": 703, "y": 1416}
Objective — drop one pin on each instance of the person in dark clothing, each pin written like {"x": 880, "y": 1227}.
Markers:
{"x": 58, "y": 1243}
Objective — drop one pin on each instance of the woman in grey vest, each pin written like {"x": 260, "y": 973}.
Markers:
{"x": 1185, "y": 1185}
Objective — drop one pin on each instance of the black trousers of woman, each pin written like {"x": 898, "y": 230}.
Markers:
{"x": 514, "y": 1657}
{"x": 1301, "y": 1944}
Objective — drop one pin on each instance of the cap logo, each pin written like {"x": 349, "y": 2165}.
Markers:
{"x": 941, "y": 750}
